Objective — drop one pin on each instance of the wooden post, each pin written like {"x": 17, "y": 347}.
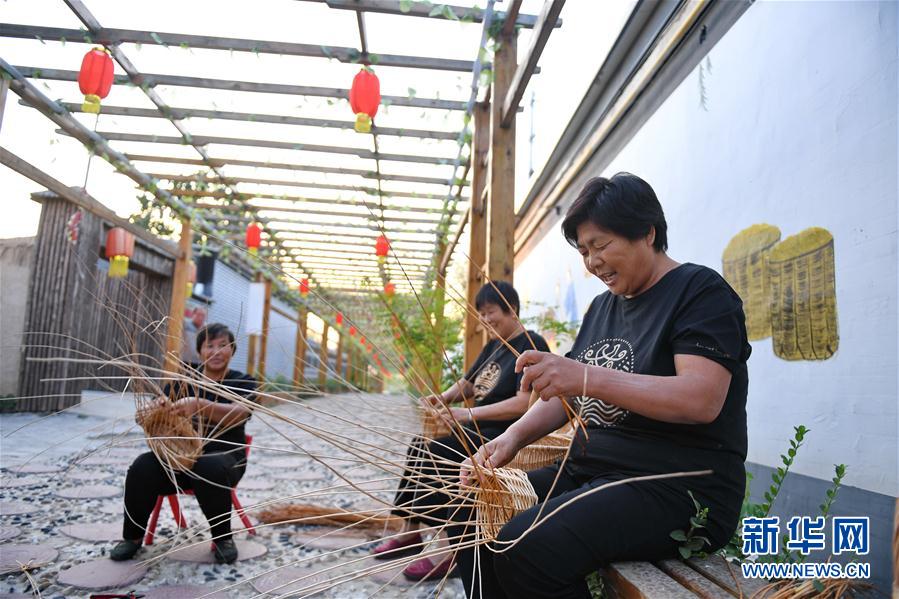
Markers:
{"x": 299, "y": 350}
{"x": 323, "y": 359}
{"x": 351, "y": 365}
{"x": 339, "y": 366}
{"x": 252, "y": 340}
{"x": 436, "y": 365}
{"x": 179, "y": 300}
{"x": 501, "y": 201}
{"x": 263, "y": 342}
{"x": 477, "y": 228}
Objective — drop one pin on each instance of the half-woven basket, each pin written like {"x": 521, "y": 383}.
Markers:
{"x": 171, "y": 436}
{"x": 501, "y": 494}
{"x": 433, "y": 426}
{"x": 542, "y": 452}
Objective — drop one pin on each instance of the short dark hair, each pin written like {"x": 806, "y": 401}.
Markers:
{"x": 498, "y": 293}
{"x": 625, "y": 205}
{"x": 214, "y": 331}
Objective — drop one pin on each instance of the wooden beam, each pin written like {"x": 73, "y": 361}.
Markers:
{"x": 548, "y": 17}
{"x": 80, "y": 198}
{"x": 4, "y": 87}
{"x": 335, "y": 214}
{"x": 299, "y": 353}
{"x": 262, "y": 143}
{"x": 151, "y": 80}
{"x": 386, "y": 193}
{"x": 406, "y": 244}
{"x": 323, "y": 359}
{"x": 184, "y": 113}
{"x": 368, "y": 174}
{"x": 364, "y": 254}
{"x": 263, "y": 341}
{"x": 114, "y": 37}
{"x": 423, "y": 9}
{"x": 175, "y": 329}
{"x": 447, "y": 254}
{"x": 501, "y": 199}
{"x": 477, "y": 244}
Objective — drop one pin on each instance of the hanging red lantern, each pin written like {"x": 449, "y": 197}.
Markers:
{"x": 95, "y": 78}
{"x": 389, "y": 290}
{"x": 304, "y": 288}
{"x": 254, "y": 238}
{"x": 119, "y": 249}
{"x": 191, "y": 277}
{"x": 382, "y": 246}
{"x": 362, "y": 340}
{"x": 352, "y": 331}
{"x": 339, "y": 319}
{"x": 365, "y": 96}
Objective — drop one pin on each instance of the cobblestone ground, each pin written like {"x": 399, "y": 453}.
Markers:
{"x": 62, "y": 485}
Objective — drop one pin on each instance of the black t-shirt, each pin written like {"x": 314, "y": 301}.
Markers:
{"x": 493, "y": 372}
{"x": 690, "y": 310}
{"x": 219, "y": 440}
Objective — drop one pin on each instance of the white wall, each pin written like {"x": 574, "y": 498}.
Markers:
{"x": 799, "y": 129}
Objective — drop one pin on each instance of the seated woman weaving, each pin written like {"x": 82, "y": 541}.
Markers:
{"x": 220, "y": 467}
{"x": 658, "y": 373}
{"x": 493, "y": 385}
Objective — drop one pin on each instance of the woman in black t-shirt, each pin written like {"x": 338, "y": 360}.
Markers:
{"x": 220, "y": 422}
{"x": 658, "y": 373}
{"x": 493, "y": 385}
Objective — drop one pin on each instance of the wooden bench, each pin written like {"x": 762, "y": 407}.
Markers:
{"x": 709, "y": 578}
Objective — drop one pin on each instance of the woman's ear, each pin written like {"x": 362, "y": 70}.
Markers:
{"x": 651, "y": 236}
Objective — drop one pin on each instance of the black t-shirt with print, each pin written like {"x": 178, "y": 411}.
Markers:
{"x": 691, "y": 310}
{"x": 219, "y": 440}
{"x": 493, "y": 372}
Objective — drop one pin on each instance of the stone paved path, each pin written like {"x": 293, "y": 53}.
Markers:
{"x": 55, "y": 495}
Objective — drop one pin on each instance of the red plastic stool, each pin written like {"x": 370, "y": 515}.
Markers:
{"x": 179, "y": 517}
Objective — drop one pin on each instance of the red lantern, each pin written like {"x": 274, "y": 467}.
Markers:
{"x": 304, "y": 288}
{"x": 382, "y": 246}
{"x": 352, "y": 331}
{"x": 362, "y": 340}
{"x": 191, "y": 277}
{"x": 340, "y": 319}
{"x": 365, "y": 96}
{"x": 119, "y": 249}
{"x": 254, "y": 238}
{"x": 95, "y": 79}
{"x": 389, "y": 290}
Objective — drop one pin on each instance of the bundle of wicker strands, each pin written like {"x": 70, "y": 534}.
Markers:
{"x": 543, "y": 452}
{"x": 170, "y": 435}
{"x": 500, "y": 495}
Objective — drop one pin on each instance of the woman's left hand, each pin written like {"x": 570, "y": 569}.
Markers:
{"x": 550, "y": 375}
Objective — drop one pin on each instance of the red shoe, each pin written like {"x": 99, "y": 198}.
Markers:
{"x": 394, "y": 548}
{"x": 424, "y": 569}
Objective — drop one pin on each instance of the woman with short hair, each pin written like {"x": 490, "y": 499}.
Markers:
{"x": 220, "y": 423}
{"x": 493, "y": 386}
{"x": 658, "y": 373}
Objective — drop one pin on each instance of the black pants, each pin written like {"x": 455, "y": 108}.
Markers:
{"x": 419, "y": 496}
{"x": 210, "y": 479}
{"x": 627, "y": 522}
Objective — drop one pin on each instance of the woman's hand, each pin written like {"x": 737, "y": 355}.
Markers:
{"x": 188, "y": 406}
{"x": 551, "y": 375}
{"x": 430, "y": 402}
{"x": 453, "y": 415}
{"x": 494, "y": 454}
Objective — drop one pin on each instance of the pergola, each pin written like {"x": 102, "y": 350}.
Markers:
{"x": 432, "y": 165}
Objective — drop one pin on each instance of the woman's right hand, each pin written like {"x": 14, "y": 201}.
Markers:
{"x": 493, "y": 454}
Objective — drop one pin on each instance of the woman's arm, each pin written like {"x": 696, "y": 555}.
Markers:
{"x": 507, "y": 409}
{"x": 541, "y": 419}
{"x": 221, "y": 414}
{"x": 695, "y": 395}
{"x": 461, "y": 389}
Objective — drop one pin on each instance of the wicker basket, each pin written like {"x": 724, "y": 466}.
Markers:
{"x": 501, "y": 494}
{"x": 745, "y": 266}
{"x": 803, "y": 296}
{"x": 170, "y": 436}
{"x": 542, "y": 452}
